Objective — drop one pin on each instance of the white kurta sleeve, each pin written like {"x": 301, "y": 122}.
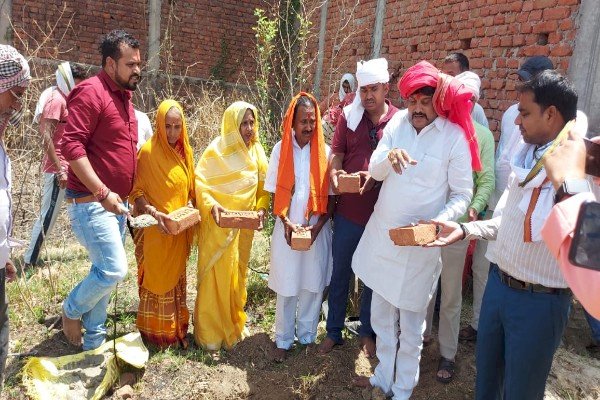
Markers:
{"x": 379, "y": 165}
{"x": 460, "y": 181}
{"x": 271, "y": 179}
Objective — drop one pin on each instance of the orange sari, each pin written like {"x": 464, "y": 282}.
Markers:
{"x": 165, "y": 177}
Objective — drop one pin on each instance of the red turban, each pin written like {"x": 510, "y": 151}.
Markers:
{"x": 451, "y": 100}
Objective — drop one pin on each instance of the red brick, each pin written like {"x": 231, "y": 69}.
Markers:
{"x": 413, "y": 235}
{"x": 239, "y": 219}
{"x": 182, "y": 219}
{"x": 518, "y": 40}
{"x": 566, "y": 25}
{"x": 348, "y": 183}
{"x": 540, "y": 4}
{"x": 301, "y": 240}
{"x": 556, "y": 13}
{"x": 545, "y": 27}
{"x": 561, "y": 51}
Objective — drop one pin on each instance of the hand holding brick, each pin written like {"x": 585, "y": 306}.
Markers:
{"x": 417, "y": 235}
{"x": 177, "y": 221}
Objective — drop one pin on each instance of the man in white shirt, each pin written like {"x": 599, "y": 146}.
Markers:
{"x": 425, "y": 163}
{"x": 510, "y": 138}
{"x": 526, "y": 302}
{"x": 509, "y": 130}
{"x": 455, "y": 64}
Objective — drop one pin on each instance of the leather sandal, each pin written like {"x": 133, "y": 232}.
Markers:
{"x": 445, "y": 365}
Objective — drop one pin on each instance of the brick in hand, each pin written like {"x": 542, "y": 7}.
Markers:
{"x": 301, "y": 240}
{"x": 349, "y": 183}
{"x": 182, "y": 219}
{"x": 239, "y": 219}
{"x": 417, "y": 235}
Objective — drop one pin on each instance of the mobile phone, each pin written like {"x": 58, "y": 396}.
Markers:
{"x": 585, "y": 247}
{"x": 592, "y": 158}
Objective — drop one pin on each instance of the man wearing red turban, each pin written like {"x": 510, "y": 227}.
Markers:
{"x": 424, "y": 164}
{"x": 451, "y": 100}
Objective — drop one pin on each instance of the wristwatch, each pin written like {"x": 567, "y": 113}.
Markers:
{"x": 571, "y": 187}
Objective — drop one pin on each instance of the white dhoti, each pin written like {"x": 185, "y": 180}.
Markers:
{"x": 453, "y": 262}
{"x": 301, "y": 311}
{"x": 399, "y": 344}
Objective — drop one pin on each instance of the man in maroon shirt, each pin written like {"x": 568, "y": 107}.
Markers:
{"x": 99, "y": 142}
{"x": 357, "y": 133}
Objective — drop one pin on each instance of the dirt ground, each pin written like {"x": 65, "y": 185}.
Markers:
{"x": 247, "y": 373}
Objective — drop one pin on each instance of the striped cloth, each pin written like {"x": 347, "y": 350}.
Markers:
{"x": 14, "y": 70}
{"x": 163, "y": 319}
{"x": 530, "y": 262}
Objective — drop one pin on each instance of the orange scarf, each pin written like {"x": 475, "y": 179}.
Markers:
{"x": 319, "y": 181}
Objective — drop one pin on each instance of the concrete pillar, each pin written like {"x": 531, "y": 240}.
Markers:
{"x": 154, "y": 8}
{"x": 321, "y": 51}
{"x": 5, "y": 16}
{"x": 378, "y": 29}
{"x": 584, "y": 66}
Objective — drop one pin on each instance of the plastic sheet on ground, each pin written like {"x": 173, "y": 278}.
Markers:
{"x": 86, "y": 375}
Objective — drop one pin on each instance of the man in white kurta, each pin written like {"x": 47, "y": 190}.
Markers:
{"x": 435, "y": 182}
{"x": 299, "y": 277}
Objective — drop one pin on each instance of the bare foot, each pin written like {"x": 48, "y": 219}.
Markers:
{"x": 72, "y": 329}
{"x": 327, "y": 345}
{"x": 368, "y": 346}
{"x": 427, "y": 340}
{"x": 184, "y": 343}
{"x": 279, "y": 355}
{"x": 362, "y": 382}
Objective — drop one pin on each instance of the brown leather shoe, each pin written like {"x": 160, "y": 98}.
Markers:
{"x": 467, "y": 334}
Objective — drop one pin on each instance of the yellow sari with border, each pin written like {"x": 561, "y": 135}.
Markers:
{"x": 230, "y": 174}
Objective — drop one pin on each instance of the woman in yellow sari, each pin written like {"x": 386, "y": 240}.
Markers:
{"x": 230, "y": 176}
{"x": 164, "y": 183}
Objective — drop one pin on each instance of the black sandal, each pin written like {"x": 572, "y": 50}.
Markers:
{"x": 445, "y": 365}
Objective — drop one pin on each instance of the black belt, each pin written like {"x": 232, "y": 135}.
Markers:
{"x": 530, "y": 287}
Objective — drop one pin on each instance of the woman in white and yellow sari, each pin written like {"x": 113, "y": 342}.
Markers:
{"x": 229, "y": 176}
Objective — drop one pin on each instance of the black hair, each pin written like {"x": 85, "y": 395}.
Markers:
{"x": 460, "y": 58}
{"x": 550, "y": 88}
{"x": 78, "y": 71}
{"x": 304, "y": 101}
{"x": 425, "y": 91}
{"x": 110, "y": 46}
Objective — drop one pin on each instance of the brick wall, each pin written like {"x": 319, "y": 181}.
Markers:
{"x": 213, "y": 38}
{"x": 209, "y": 37}
{"x": 79, "y": 39}
{"x": 496, "y": 35}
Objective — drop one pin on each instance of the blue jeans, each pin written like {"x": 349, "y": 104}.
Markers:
{"x": 519, "y": 331}
{"x": 594, "y": 327}
{"x": 102, "y": 234}
{"x": 346, "y": 235}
